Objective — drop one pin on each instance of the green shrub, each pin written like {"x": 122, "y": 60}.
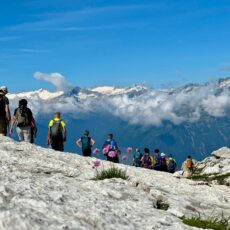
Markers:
{"x": 112, "y": 172}
{"x": 211, "y": 223}
{"x": 212, "y": 177}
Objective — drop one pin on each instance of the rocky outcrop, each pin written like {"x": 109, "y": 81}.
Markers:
{"x": 214, "y": 169}
{"x": 44, "y": 189}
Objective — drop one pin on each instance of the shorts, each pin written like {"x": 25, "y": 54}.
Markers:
{"x": 86, "y": 152}
{"x": 24, "y": 133}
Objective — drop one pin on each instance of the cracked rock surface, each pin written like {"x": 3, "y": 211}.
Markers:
{"x": 43, "y": 189}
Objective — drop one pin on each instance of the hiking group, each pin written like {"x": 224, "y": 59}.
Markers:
{"x": 57, "y": 133}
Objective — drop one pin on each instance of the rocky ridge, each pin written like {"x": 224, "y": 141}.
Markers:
{"x": 44, "y": 189}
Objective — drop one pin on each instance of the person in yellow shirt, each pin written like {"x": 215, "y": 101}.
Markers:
{"x": 57, "y": 133}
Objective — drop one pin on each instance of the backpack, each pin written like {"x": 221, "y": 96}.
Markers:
{"x": 86, "y": 142}
{"x": 189, "y": 163}
{"x": 2, "y": 108}
{"x": 56, "y": 128}
{"x": 147, "y": 161}
{"x": 172, "y": 166}
{"x": 23, "y": 115}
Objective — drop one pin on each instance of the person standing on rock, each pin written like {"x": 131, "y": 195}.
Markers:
{"x": 188, "y": 166}
{"x": 4, "y": 114}
{"x": 110, "y": 149}
{"x": 86, "y": 143}
{"x": 23, "y": 118}
{"x": 137, "y": 158}
{"x": 57, "y": 133}
{"x": 5, "y": 98}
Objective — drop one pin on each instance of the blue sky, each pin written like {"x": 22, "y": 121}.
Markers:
{"x": 115, "y": 42}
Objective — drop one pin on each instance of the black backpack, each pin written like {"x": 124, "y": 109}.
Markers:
{"x": 2, "y": 108}
{"x": 23, "y": 116}
{"x": 56, "y": 129}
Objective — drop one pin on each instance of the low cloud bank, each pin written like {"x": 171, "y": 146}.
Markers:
{"x": 148, "y": 108}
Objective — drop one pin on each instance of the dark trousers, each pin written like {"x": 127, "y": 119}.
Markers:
{"x": 3, "y": 126}
{"x": 113, "y": 159}
{"x": 58, "y": 143}
{"x": 86, "y": 152}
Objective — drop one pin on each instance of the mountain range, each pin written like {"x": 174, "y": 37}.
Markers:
{"x": 189, "y": 120}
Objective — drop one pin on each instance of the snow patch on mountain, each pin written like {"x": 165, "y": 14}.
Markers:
{"x": 44, "y": 189}
{"x": 139, "y": 105}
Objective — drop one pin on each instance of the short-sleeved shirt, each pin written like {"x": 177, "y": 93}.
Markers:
{"x": 6, "y": 100}
{"x": 57, "y": 119}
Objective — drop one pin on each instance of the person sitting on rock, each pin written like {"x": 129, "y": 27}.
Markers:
{"x": 163, "y": 163}
{"x": 156, "y": 160}
{"x": 171, "y": 164}
{"x": 147, "y": 160}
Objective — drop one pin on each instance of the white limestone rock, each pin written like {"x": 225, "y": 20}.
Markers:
{"x": 44, "y": 189}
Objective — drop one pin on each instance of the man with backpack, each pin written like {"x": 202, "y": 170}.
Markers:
{"x": 23, "y": 118}
{"x": 188, "y": 166}
{"x": 172, "y": 165}
{"x": 86, "y": 143}
{"x": 137, "y": 158}
{"x": 4, "y": 114}
{"x": 57, "y": 133}
{"x": 147, "y": 160}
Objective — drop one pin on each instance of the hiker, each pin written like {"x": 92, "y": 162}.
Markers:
{"x": 57, "y": 133}
{"x": 5, "y": 98}
{"x": 163, "y": 164}
{"x": 110, "y": 149}
{"x": 188, "y": 166}
{"x": 86, "y": 143}
{"x": 146, "y": 159}
{"x": 137, "y": 158}
{"x": 156, "y": 160}
{"x": 4, "y": 114}
{"x": 172, "y": 165}
{"x": 23, "y": 118}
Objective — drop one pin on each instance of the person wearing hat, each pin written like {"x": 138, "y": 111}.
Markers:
{"x": 86, "y": 143}
{"x": 163, "y": 164}
{"x": 5, "y": 98}
{"x": 4, "y": 114}
{"x": 23, "y": 118}
{"x": 57, "y": 133}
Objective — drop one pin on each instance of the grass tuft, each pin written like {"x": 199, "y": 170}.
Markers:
{"x": 212, "y": 177}
{"x": 162, "y": 205}
{"x": 112, "y": 172}
{"x": 221, "y": 223}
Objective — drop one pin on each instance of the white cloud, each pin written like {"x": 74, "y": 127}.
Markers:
{"x": 56, "y": 79}
{"x": 151, "y": 108}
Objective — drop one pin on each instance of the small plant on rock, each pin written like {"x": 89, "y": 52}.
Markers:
{"x": 216, "y": 223}
{"x": 162, "y": 205}
{"x": 112, "y": 172}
